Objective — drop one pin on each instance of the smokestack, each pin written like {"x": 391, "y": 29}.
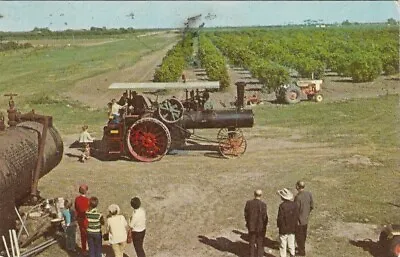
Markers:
{"x": 240, "y": 94}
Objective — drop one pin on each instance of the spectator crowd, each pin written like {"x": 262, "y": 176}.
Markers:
{"x": 292, "y": 223}
{"x": 94, "y": 227}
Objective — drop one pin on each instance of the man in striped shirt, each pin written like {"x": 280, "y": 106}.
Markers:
{"x": 95, "y": 221}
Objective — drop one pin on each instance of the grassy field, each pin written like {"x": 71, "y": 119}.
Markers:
{"x": 369, "y": 125}
{"x": 40, "y": 75}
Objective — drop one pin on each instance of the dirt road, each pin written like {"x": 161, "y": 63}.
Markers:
{"x": 194, "y": 200}
{"x": 94, "y": 91}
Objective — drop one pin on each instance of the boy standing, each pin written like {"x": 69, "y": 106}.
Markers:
{"x": 70, "y": 226}
{"x": 95, "y": 221}
{"x": 138, "y": 225}
{"x": 85, "y": 138}
{"x": 81, "y": 206}
{"x": 288, "y": 216}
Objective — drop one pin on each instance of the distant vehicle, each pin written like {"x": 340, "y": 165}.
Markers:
{"x": 293, "y": 93}
{"x": 147, "y": 130}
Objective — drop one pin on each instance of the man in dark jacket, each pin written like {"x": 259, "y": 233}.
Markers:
{"x": 288, "y": 216}
{"x": 305, "y": 203}
{"x": 255, "y": 214}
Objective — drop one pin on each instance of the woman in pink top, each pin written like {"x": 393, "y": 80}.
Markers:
{"x": 117, "y": 230}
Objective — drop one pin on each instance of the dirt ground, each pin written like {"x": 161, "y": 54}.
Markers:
{"x": 194, "y": 200}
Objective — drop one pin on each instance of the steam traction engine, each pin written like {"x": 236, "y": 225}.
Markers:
{"x": 147, "y": 130}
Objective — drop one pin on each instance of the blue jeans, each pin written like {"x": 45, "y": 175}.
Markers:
{"x": 70, "y": 237}
{"x": 95, "y": 244}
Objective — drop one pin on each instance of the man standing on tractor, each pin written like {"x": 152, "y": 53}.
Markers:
{"x": 305, "y": 203}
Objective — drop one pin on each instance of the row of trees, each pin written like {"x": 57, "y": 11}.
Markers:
{"x": 175, "y": 61}
{"x": 267, "y": 72}
{"x": 360, "y": 53}
{"x": 11, "y": 45}
{"x": 213, "y": 61}
{"x": 38, "y": 33}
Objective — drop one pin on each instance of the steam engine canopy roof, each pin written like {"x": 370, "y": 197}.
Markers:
{"x": 166, "y": 85}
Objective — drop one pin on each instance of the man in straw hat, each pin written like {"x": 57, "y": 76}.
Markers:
{"x": 305, "y": 202}
{"x": 255, "y": 214}
{"x": 288, "y": 215}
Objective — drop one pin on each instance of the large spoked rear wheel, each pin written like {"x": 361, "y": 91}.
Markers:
{"x": 231, "y": 143}
{"x": 171, "y": 110}
{"x": 148, "y": 140}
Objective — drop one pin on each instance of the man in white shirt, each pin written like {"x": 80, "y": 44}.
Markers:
{"x": 116, "y": 107}
{"x": 138, "y": 226}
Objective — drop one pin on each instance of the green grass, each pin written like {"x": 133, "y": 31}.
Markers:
{"x": 343, "y": 192}
{"x": 371, "y": 121}
{"x": 366, "y": 127}
{"x": 52, "y": 69}
{"x": 41, "y": 75}
{"x": 69, "y": 116}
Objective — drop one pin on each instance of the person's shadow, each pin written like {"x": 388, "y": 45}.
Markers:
{"x": 373, "y": 248}
{"x": 267, "y": 241}
{"x": 238, "y": 248}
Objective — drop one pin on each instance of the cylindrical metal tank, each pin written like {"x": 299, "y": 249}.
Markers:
{"x": 18, "y": 158}
{"x": 218, "y": 119}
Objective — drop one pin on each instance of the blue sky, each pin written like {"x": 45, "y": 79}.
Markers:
{"x": 61, "y": 15}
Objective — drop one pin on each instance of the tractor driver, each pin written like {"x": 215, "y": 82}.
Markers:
{"x": 138, "y": 103}
{"x": 124, "y": 99}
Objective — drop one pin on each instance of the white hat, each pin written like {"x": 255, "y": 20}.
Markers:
{"x": 113, "y": 208}
{"x": 285, "y": 194}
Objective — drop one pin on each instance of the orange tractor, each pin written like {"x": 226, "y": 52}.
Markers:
{"x": 293, "y": 93}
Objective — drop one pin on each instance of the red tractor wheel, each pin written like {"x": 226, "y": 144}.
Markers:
{"x": 395, "y": 246}
{"x": 148, "y": 140}
{"x": 231, "y": 142}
